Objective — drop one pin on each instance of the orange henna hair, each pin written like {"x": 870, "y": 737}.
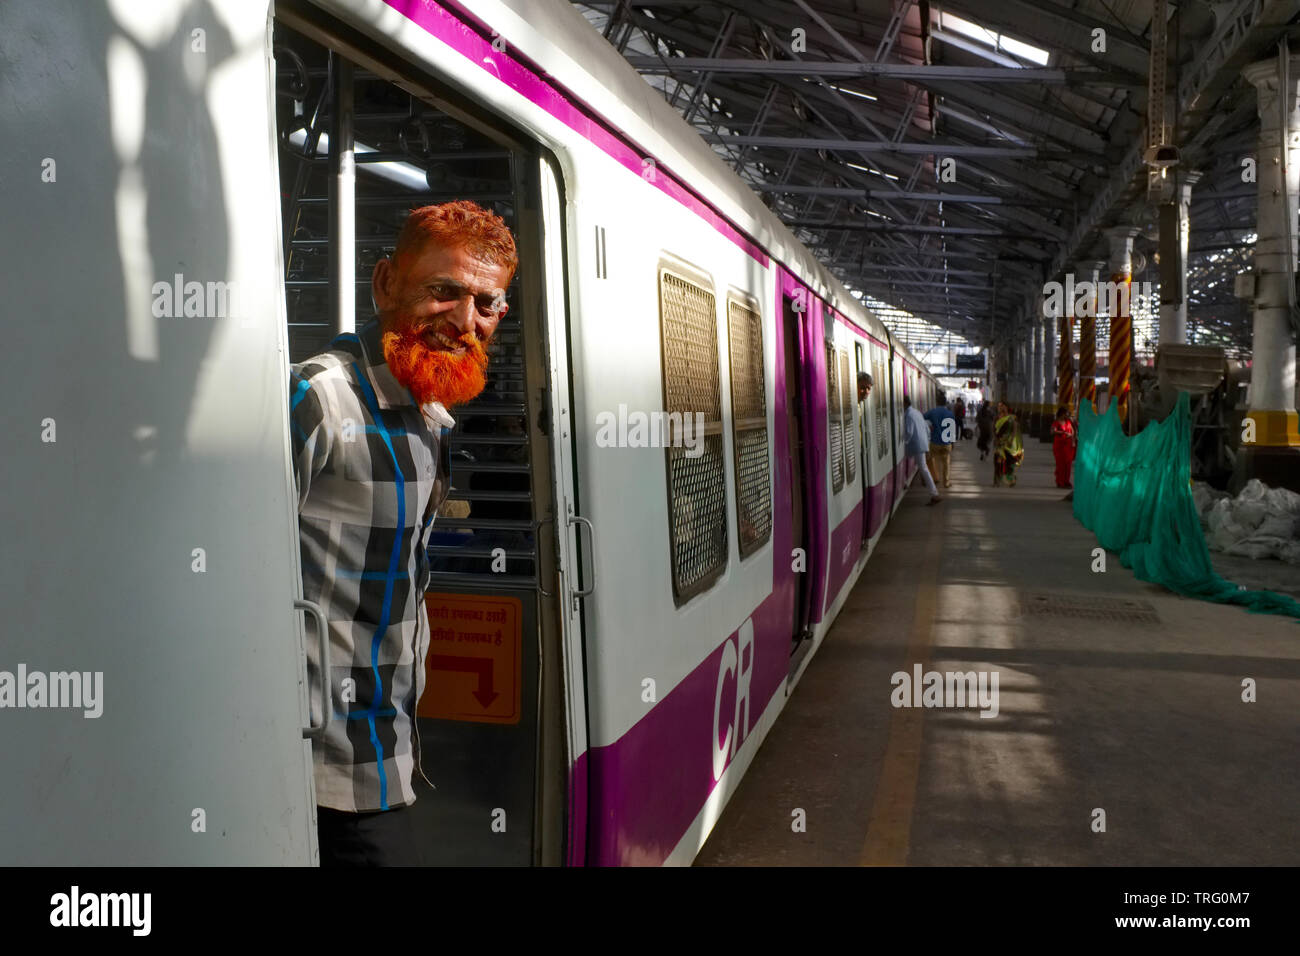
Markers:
{"x": 460, "y": 224}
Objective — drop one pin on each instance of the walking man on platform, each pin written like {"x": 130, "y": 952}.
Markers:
{"x": 943, "y": 432}
{"x": 984, "y": 425}
{"x": 916, "y": 443}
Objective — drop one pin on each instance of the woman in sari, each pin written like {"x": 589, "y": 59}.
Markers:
{"x": 1007, "y": 449}
{"x": 1063, "y": 445}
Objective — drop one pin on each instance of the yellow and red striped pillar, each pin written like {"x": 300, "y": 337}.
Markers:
{"x": 1087, "y": 314}
{"x": 1121, "y": 320}
{"x": 1065, "y": 362}
{"x": 1121, "y": 347}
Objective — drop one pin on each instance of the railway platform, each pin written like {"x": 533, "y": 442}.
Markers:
{"x": 1114, "y": 697}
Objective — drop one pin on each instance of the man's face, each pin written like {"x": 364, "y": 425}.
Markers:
{"x": 863, "y": 391}
{"x": 438, "y": 311}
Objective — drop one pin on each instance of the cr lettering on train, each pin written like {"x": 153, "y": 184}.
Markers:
{"x": 736, "y": 667}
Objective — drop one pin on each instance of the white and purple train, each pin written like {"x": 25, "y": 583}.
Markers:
{"x": 628, "y": 619}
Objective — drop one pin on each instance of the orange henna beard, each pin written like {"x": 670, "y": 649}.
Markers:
{"x": 430, "y": 374}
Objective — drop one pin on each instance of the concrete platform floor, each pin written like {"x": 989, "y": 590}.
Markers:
{"x": 1137, "y": 711}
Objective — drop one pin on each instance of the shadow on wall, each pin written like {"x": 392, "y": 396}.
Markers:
{"x": 114, "y": 182}
{"x": 169, "y": 182}
{"x": 126, "y": 184}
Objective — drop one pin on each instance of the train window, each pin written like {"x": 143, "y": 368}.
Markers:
{"x": 835, "y": 410}
{"x": 847, "y": 391}
{"x": 697, "y": 489}
{"x": 749, "y": 427}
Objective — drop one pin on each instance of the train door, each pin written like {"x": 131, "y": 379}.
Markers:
{"x": 491, "y": 724}
{"x": 864, "y": 441}
{"x": 895, "y": 425}
{"x": 797, "y": 433}
{"x": 150, "y": 552}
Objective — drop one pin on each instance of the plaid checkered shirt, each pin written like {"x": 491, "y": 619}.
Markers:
{"x": 372, "y": 469}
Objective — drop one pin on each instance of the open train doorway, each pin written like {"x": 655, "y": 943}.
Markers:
{"x": 490, "y": 722}
{"x": 792, "y": 330}
{"x": 864, "y": 440}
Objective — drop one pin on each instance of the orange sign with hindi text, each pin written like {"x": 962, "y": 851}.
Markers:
{"x": 473, "y": 668}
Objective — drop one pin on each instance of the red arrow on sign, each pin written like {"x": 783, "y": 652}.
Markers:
{"x": 482, "y": 666}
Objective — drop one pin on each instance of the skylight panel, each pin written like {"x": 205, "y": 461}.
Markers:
{"x": 991, "y": 38}
{"x": 1022, "y": 50}
{"x": 973, "y": 30}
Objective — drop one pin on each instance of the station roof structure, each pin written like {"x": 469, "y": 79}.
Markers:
{"x": 947, "y": 159}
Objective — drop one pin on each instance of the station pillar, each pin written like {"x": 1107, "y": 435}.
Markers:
{"x": 1036, "y": 371}
{"x": 1013, "y": 369}
{"x": 1175, "y": 225}
{"x": 1027, "y": 375}
{"x": 1029, "y": 415}
{"x": 1274, "y": 455}
{"x": 1009, "y": 371}
{"x": 1120, "y": 356}
{"x": 1048, "y": 366}
{"x": 1064, "y": 357}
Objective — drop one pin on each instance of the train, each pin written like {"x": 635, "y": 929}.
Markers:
{"x": 616, "y": 623}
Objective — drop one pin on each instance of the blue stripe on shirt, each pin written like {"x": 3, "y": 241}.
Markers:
{"x": 400, "y": 483}
{"x": 299, "y": 394}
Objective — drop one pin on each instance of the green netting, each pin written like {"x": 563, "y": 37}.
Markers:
{"x": 1135, "y": 495}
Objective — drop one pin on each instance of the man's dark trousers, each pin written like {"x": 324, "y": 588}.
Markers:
{"x": 379, "y": 838}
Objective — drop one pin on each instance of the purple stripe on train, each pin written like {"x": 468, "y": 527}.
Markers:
{"x": 878, "y": 504}
{"x": 846, "y": 545}
{"x": 647, "y": 787}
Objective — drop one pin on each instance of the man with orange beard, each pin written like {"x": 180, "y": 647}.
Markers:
{"x": 369, "y": 424}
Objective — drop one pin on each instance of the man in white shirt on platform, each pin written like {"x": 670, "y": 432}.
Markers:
{"x": 916, "y": 442}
